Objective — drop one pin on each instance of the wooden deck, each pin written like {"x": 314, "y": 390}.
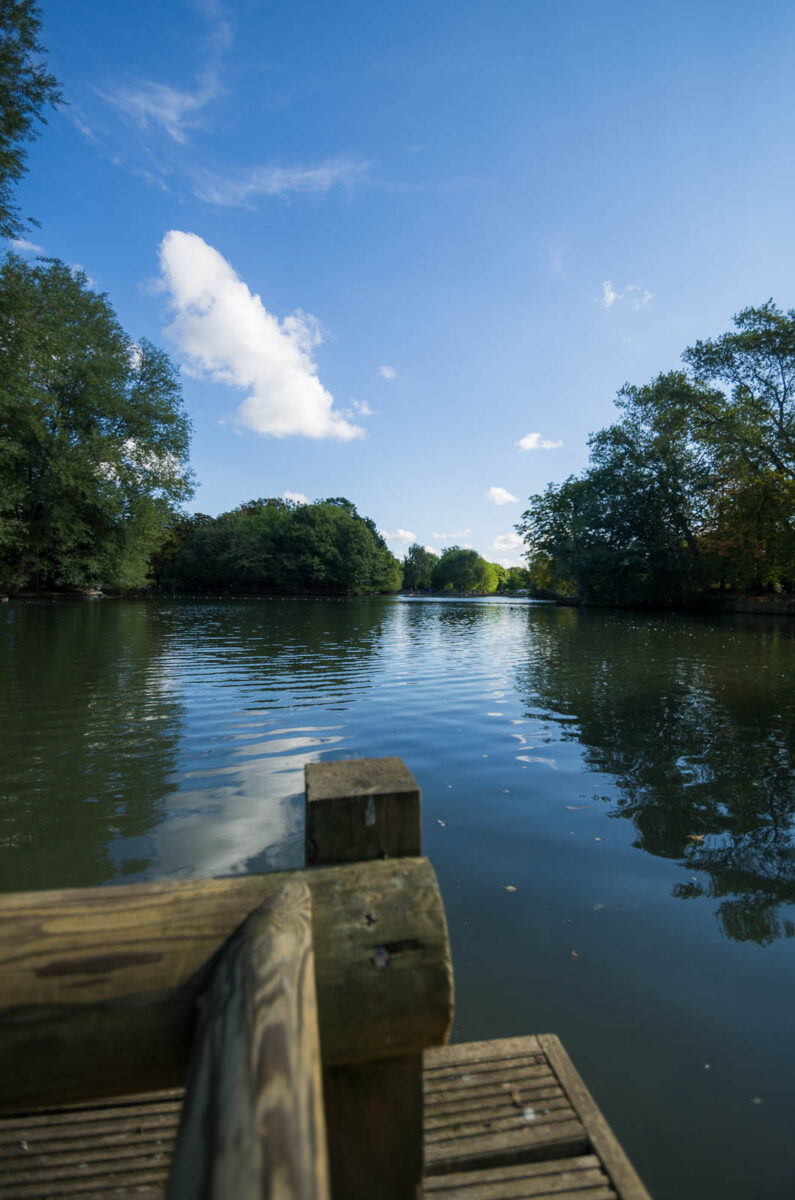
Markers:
{"x": 503, "y": 1120}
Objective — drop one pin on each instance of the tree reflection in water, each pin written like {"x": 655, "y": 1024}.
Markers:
{"x": 90, "y": 730}
{"x": 695, "y": 720}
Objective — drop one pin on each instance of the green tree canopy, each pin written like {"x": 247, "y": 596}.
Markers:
{"x": 26, "y": 89}
{"x": 743, "y": 401}
{"x": 460, "y": 570}
{"x": 418, "y": 567}
{"x": 276, "y": 545}
{"x": 692, "y": 488}
{"x": 93, "y": 436}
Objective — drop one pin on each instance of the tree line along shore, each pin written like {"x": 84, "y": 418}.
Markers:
{"x": 688, "y": 497}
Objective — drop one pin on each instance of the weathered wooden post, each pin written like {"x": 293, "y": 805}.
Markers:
{"x": 252, "y": 1121}
{"x": 358, "y": 810}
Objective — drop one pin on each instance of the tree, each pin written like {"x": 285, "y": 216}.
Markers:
{"x": 745, "y": 391}
{"x": 274, "y": 545}
{"x": 691, "y": 488}
{"x": 517, "y": 579}
{"x": 418, "y": 567}
{"x": 461, "y": 570}
{"x": 93, "y": 436}
{"x": 26, "y": 88}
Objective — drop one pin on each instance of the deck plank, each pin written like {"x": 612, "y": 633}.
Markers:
{"x": 504, "y": 1120}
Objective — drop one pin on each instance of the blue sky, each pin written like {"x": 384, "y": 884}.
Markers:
{"x": 390, "y": 243}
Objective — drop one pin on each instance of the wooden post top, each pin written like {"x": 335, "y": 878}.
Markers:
{"x": 353, "y": 777}
{"x": 361, "y": 809}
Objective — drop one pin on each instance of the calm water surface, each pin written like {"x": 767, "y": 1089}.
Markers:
{"x": 632, "y": 777}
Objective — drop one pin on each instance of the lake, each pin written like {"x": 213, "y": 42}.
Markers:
{"x": 631, "y": 776}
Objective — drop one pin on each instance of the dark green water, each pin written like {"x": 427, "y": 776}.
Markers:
{"x": 632, "y": 777}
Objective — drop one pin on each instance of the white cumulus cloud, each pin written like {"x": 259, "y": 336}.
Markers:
{"x": 296, "y": 497}
{"x": 534, "y": 441}
{"x": 507, "y": 541}
{"x": 227, "y": 335}
{"x": 499, "y": 495}
{"x": 400, "y": 535}
{"x": 362, "y": 408}
{"x": 452, "y": 537}
{"x": 633, "y": 293}
{"x": 609, "y": 294}
{"x": 431, "y": 550}
{"x": 388, "y": 372}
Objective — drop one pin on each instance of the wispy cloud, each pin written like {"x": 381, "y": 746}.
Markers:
{"x": 499, "y": 495}
{"x": 400, "y": 535}
{"x": 296, "y": 497}
{"x": 161, "y": 105}
{"x": 149, "y": 104}
{"x": 507, "y": 541}
{"x": 361, "y": 407}
{"x": 534, "y": 441}
{"x": 635, "y": 295}
{"x": 451, "y": 537}
{"x": 237, "y": 189}
{"x": 227, "y": 335}
{"x": 23, "y": 246}
{"x": 165, "y": 115}
{"x": 388, "y": 372}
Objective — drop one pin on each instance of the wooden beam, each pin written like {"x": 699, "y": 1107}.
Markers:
{"x": 623, "y": 1175}
{"x": 366, "y": 809}
{"x": 252, "y": 1121}
{"x": 98, "y": 986}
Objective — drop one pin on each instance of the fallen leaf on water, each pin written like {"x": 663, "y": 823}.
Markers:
{"x": 696, "y": 837}
{"x": 529, "y": 1113}
{"x": 441, "y": 822}
{"x": 510, "y": 888}
{"x": 575, "y": 807}
{"x": 516, "y": 1099}
{"x": 574, "y": 954}
{"x": 756, "y": 1100}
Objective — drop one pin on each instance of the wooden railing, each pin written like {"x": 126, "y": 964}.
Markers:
{"x": 253, "y": 989}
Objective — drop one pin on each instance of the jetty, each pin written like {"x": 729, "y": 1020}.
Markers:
{"x": 278, "y": 1036}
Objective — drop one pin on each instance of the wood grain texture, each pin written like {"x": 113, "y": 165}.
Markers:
{"x": 493, "y": 1104}
{"x": 252, "y": 1120}
{"x": 98, "y": 987}
{"x": 374, "y": 1120}
{"x": 124, "y": 1133}
{"x": 622, "y": 1174}
{"x": 361, "y": 809}
{"x": 581, "y": 1176}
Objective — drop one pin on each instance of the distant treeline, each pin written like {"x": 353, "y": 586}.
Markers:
{"x": 280, "y": 546}
{"x": 458, "y": 570}
{"x": 277, "y": 545}
{"x": 692, "y": 490}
